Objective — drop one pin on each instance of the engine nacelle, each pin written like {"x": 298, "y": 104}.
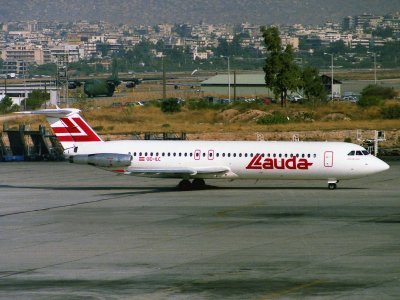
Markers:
{"x": 103, "y": 160}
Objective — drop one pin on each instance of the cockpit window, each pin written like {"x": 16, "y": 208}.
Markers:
{"x": 358, "y": 153}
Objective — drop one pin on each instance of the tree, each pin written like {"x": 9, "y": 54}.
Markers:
{"x": 281, "y": 72}
{"x": 81, "y": 100}
{"x": 7, "y": 106}
{"x": 313, "y": 87}
{"x": 36, "y": 99}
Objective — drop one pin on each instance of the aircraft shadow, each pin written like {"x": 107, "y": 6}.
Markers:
{"x": 152, "y": 189}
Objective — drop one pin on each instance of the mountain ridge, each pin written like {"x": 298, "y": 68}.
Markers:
{"x": 152, "y": 12}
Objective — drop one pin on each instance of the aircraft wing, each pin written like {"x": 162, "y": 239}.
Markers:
{"x": 178, "y": 172}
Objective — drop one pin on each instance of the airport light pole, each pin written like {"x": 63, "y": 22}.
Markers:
{"x": 375, "y": 67}
{"x": 331, "y": 74}
{"x": 229, "y": 76}
{"x": 229, "y": 80}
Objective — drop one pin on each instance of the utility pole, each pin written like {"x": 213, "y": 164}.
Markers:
{"x": 164, "y": 81}
{"x": 375, "y": 67}
{"x": 331, "y": 74}
{"x": 234, "y": 85}
{"x": 229, "y": 80}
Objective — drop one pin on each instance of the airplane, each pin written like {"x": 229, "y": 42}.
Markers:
{"x": 194, "y": 161}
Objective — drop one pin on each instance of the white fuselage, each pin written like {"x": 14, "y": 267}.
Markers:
{"x": 244, "y": 159}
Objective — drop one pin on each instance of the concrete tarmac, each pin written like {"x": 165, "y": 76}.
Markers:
{"x": 76, "y": 232}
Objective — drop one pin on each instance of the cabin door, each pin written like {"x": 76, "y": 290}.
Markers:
{"x": 328, "y": 159}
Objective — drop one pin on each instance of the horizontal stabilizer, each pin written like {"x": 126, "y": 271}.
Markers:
{"x": 56, "y": 112}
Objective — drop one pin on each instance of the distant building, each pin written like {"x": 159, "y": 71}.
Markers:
{"x": 25, "y": 52}
{"x": 14, "y": 67}
{"x": 348, "y": 23}
{"x": 247, "y": 85}
{"x": 336, "y": 88}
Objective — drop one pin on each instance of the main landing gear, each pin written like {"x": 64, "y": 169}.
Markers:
{"x": 332, "y": 184}
{"x": 196, "y": 184}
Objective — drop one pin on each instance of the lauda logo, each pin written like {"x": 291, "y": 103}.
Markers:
{"x": 74, "y": 130}
{"x": 257, "y": 163}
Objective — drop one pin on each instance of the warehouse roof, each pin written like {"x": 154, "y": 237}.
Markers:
{"x": 256, "y": 79}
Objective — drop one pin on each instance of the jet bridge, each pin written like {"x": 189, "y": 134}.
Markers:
{"x": 22, "y": 143}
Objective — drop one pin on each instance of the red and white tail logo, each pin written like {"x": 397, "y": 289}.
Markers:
{"x": 74, "y": 129}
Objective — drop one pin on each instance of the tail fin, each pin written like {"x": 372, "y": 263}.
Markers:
{"x": 68, "y": 126}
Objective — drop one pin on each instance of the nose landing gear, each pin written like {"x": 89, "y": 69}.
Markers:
{"x": 332, "y": 184}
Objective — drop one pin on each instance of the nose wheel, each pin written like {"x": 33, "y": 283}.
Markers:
{"x": 332, "y": 184}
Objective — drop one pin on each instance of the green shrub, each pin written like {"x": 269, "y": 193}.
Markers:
{"x": 170, "y": 105}
{"x": 347, "y": 140}
{"x": 275, "y": 118}
{"x": 367, "y": 101}
{"x": 202, "y": 104}
{"x": 374, "y": 94}
{"x": 391, "y": 112}
{"x": 98, "y": 128}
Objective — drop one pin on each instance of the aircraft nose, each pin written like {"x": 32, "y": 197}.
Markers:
{"x": 381, "y": 166}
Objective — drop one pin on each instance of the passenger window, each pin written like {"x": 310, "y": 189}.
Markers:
{"x": 245, "y": 155}
{"x": 134, "y": 153}
{"x": 240, "y": 154}
{"x": 234, "y": 154}
{"x": 359, "y": 153}
{"x": 223, "y": 154}
{"x": 229, "y": 155}
{"x": 274, "y": 155}
{"x": 315, "y": 155}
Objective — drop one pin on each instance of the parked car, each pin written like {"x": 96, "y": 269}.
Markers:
{"x": 352, "y": 99}
{"x": 294, "y": 99}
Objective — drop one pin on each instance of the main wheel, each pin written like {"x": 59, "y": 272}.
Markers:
{"x": 332, "y": 186}
{"x": 198, "y": 183}
{"x": 184, "y": 185}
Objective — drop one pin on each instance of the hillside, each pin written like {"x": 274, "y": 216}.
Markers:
{"x": 178, "y": 11}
